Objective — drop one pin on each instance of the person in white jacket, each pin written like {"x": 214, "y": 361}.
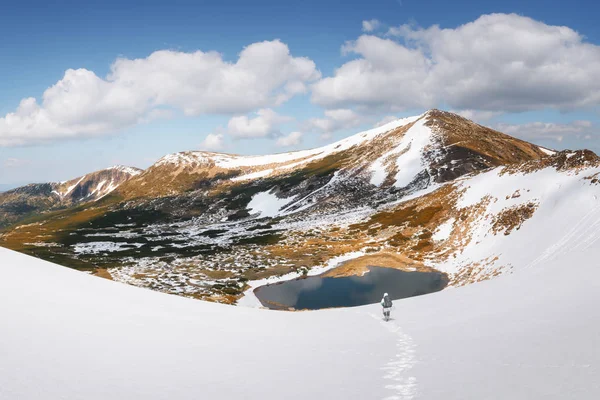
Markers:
{"x": 386, "y": 303}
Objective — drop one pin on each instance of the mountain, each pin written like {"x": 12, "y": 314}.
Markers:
{"x": 430, "y": 192}
{"x": 529, "y": 335}
{"x": 40, "y": 197}
{"x": 434, "y": 147}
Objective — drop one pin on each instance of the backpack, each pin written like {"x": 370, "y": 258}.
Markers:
{"x": 387, "y": 303}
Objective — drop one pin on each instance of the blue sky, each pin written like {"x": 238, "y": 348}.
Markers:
{"x": 330, "y": 74}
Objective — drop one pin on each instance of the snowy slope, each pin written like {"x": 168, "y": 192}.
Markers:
{"x": 531, "y": 335}
{"x": 565, "y": 217}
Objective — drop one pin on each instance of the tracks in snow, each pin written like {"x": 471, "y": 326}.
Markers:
{"x": 397, "y": 369}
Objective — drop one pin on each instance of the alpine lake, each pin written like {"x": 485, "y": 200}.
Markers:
{"x": 317, "y": 292}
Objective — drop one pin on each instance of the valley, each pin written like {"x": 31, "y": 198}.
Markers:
{"x": 414, "y": 194}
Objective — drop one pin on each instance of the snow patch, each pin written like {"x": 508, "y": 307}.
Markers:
{"x": 443, "y": 231}
{"x": 409, "y": 161}
{"x": 267, "y": 204}
{"x": 546, "y": 151}
{"x": 411, "y": 149}
{"x": 103, "y": 247}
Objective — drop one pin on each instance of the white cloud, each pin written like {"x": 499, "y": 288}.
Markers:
{"x": 213, "y": 142}
{"x": 334, "y": 120}
{"x": 370, "y": 25}
{"x": 136, "y": 90}
{"x": 385, "y": 120}
{"x": 265, "y": 124}
{"x": 499, "y": 62}
{"x": 15, "y": 163}
{"x": 549, "y": 130}
{"x": 477, "y": 115}
{"x": 293, "y": 139}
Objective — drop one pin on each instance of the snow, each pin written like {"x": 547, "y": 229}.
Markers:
{"x": 529, "y": 335}
{"x": 378, "y": 172}
{"x": 103, "y": 247}
{"x": 566, "y": 219}
{"x": 253, "y": 175}
{"x": 98, "y": 188}
{"x": 128, "y": 170}
{"x": 267, "y": 204}
{"x": 409, "y": 160}
{"x": 68, "y": 335}
{"x": 313, "y": 154}
{"x": 547, "y": 151}
{"x": 70, "y": 188}
{"x": 444, "y": 230}
{"x": 286, "y": 160}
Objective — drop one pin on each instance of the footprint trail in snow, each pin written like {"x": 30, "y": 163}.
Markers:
{"x": 397, "y": 370}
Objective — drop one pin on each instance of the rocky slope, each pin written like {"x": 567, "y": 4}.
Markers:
{"x": 431, "y": 191}
{"x": 40, "y": 197}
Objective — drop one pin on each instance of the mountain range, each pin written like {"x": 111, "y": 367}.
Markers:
{"x": 434, "y": 191}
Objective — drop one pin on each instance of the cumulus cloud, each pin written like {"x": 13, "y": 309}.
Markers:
{"x": 137, "y": 90}
{"x": 266, "y": 123}
{"x": 549, "y": 130}
{"x": 370, "y": 25}
{"x": 213, "y": 142}
{"x": 499, "y": 62}
{"x": 477, "y": 115}
{"x": 293, "y": 139}
{"x": 334, "y": 120}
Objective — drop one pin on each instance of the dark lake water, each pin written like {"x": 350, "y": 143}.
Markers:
{"x": 315, "y": 292}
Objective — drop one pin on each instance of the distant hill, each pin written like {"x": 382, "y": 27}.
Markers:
{"x": 34, "y": 199}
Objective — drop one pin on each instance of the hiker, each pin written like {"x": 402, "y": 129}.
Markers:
{"x": 386, "y": 303}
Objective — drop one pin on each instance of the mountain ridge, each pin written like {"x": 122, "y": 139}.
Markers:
{"x": 20, "y": 202}
{"x": 213, "y": 226}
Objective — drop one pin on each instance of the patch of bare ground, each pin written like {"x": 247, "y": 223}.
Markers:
{"x": 495, "y": 148}
{"x": 594, "y": 180}
{"x": 573, "y": 161}
{"x": 358, "y": 266}
{"x": 476, "y": 272}
{"x": 216, "y": 298}
{"x": 215, "y": 274}
{"x": 512, "y": 218}
{"x": 103, "y": 273}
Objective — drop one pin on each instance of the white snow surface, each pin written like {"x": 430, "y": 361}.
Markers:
{"x": 444, "y": 230}
{"x": 230, "y": 161}
{"x": 530, "y": 335}
{"x": 267, "y": 204}
{"x": 547, "y": 151}
{"x": 409, "y": 160}
{"x": 128, "y": 170}
{"x": 566, "y": 217}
